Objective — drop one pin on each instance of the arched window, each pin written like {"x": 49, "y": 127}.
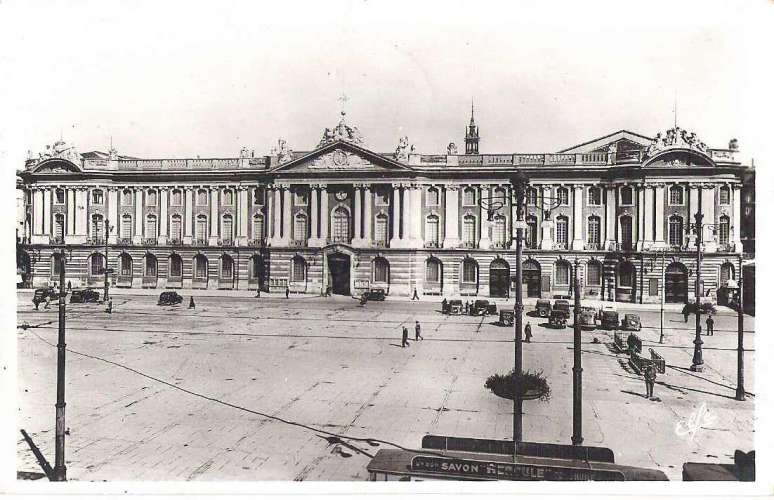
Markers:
{"x": 726, "y": 273}
{"x": 59, "y": 227}
{"x": 381, "y": 270}
{"x": 595, "y": 195}
{"x": 469, "y": 197}
{"x": 725, "y": 195}
{"x": 177, "y": 198}
{"x": 175, "y": 266}
{"x": 469, "y": 272}
{"x": 532, "y": 195}
{"x": 469, "y": 230}
{"x": 228, "y": 227}
{"x": 56, "y": 264}
{"x": 59, "y": 197}
{"x": 562, "y": 268}
{"x": 258, "y": 227}
{"x": 724, "y": 231}
{"x": 176, "y": 228}
{"x": 200, "y": 267}
{"x": 432, "y": 230}
{"x": 381, "y": 230}
{"x": 563, "y": 194}
{"x": 96, "y": 227}
{"x": 150, "y": 198}
{"x": 150, "y": 226}
{"x": 626, "y": 232}
{"x": 201, "y": 197}
{"x": 126, "y": 226}
{"x": 126, "y": 197}
{"x": 126, "y": 265}
{"x": 433, "y": 271}
{"x": 201, "y": 227}
{"x": 676, "y": 230}
{"x": 97, "y": 197}
{"x": 433, "y": 198}
{"x": 341, "y": 225}
{"x": 151, "y": 266}
{"x": 499, "y": 195}
{"x": 627, "y": 195}
{"x": 499, "y": 231}
{"x": 594, "y": 273}
{"x": 298, "y": 269}
{"x": 593, "y": 232}
{"x": 561, "y": 231}
{"x": 96, "y": 264}
{"x": 228, "y": 197}
{"x": 226, "y": 267}
{"x": 300, "y": 228}
{"x": 532, "y": 232}
{"x": 675, "y": 195}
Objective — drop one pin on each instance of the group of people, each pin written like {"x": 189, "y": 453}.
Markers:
{"x": 417, "y": 334}
{"x": 710, "y": 321}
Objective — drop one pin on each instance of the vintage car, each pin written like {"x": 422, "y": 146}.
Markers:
{"x": 375, "y": 294}
{"x": 587, "y": 317}
{"x": 83, "y": 296}
{"x": 609, "y": 319}
{"x": 483, "y": 307}
{"x": 454, "y": 307}
{"x": 557, "y": 319}
{"x": 41, "y": 294}
{"x": 506, "y": 317}
{"x": 543, "y": 307}
{"x": 631, "y": 322}
{"x": 169, "y": 298}
{"x": 563, "y": 306}
{"x": 604, "y": 308}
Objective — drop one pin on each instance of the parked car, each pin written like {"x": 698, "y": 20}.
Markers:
{"x": 41, "y": 294}
{"x": 631, "y": 322}
{"x": 602, "y": 309}
{"x": 375, "y": 294}
{"x": 83, "y": 296}
{"x": 170, "y": 298}
{"x": 506, "y": 317}
{"x": 558, "y": 319}
{"x": 454, "y": 307}
{"x": 543, "y": 307}
{"x": 609, "y": 319}
{"x": 483, "y": 307}
{"x": 587, "y": 317}
{"x": 562, "y": 306}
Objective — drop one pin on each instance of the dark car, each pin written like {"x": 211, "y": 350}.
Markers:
{"x": 631, "y": 322}
{"x": 587, "y": 317}
{"x": 563, "y": 306}
{"x": 83, "y": 296}
{"x": 454, "y": 307}
{"x": 506, "y": 317}
{"x": 41, "y": 294}
{"x": 375, "y": 294}
{"x": 609, "y": 320}
{"x": 170, "y": 298}
{"x": 543, "y": 307}
{"x": 483, "y": 307}
{"x": 557, "y": 319}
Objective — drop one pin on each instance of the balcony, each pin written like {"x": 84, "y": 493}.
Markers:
{"x": 381, "y": 243}
{"x": 95, "y": 241}
{"x": 124, "y": 241}
{"x": 501, "y": 245}
{"x": 56, "y": 240}
{"x": 201, "y": 242}
{"x": 560, "y": 245}
{"x": 152, "y": 242}
{"x": 468, "y": 244}
{"x": 592, "y": 245}
{"x": 226, "y": 242}
{"x": 257, "y": 242}
{"x": 432, "y": 244}
{"x": 299, "y": 243}
{"x": 175, "y": 242}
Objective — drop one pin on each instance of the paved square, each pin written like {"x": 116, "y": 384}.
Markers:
{"x": 335, "y": 366}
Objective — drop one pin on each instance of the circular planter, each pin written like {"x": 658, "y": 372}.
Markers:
{"x": 530, "y": 394}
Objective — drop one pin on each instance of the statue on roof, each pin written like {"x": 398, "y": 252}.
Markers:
{"x": 402, "y": 151}
{"x": 675, "y": 138}
{"x": 284, "y": 153}
{"x": 341, "y": 132}
{"x": 451, "y": 149}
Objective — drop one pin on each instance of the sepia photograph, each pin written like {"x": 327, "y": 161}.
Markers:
{"x": 491, "y": 247}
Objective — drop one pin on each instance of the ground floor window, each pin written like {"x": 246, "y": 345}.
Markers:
{"x": 594, "y": 273}
{"x": 469, "y": 271}
{"x": 200, "y": 267}
{"x": 226, "y": 267}
{"x": 151, "y": 266}
{"x": 175, "y": 267}
{"x": 433, "y": 271}
{"x": 381, "y": 270}
{"x": 298, "y": 269}
{"x": 126, "y": 265}
{"x": 96, "y": 265}
{"x": 562, "y": 273}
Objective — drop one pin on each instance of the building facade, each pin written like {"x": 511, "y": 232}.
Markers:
{"x": 616, "y": 209}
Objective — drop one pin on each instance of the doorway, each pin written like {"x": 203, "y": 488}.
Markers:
{"x": 499, "y": 278}
{"x": 676, "y": 283}
{"x": 530, "y": 276}
{"x": 338, "y": 273}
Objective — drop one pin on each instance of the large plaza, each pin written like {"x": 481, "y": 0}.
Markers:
{"x": 334, "y": 366}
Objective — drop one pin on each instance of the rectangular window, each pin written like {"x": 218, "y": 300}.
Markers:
{"x": 432, "y": 230}
{"x": 561, "y": 231}
{"x": 150, "y": 199}
{"x": 382, "y": 197}
{"x": 97, "y": 197}
{"x": 228, "y": 230}
{"x": 301, "y": 199}
{"x": 433, "y": 272}
{"x": 653, "y": 287}
{"x": 298, "y": 271}
{"x": 595, "y": 196}
{"x": 176, "y": 267}
{"x": 562, "y": 275}
{"x": 725, "y": 195}
{"x": 380, "y": 231}
{"x": 468, "y": 272}
{"x": 593, "y": 276}
{"x": 258, "y": 196}
{"x": 177, "y": 198}
{"x": 627, "y": 196}
{"x": 175, "y": 232}
{"x": 432, "y": 197}
{"x": 469, "y": 197}
{"x": 59, "y": 198}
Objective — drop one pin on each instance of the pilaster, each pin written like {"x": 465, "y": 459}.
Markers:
{"x": 451, "y": 216}
{"x": 577, "y": 218}
{"x": 485, "y": 242}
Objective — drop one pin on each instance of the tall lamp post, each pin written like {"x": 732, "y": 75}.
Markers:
{"x": 59, "y": 472}
{"x": 577, "y": 369}
{"x": 740, "y": 394}
{"x": 519, "y": 182}
{"x": 106, "y": 293}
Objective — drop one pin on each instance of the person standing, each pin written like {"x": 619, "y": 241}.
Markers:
{"x": 710, "y": 325}
{"x": 404, "y": 342}
{"x": 69, "y": 286}
{"x": 415, "y": 296}
{"x": 287, "y": 292}
{"x": 650, "y": 379}
{"x": 528, "y": 332}
{"x": 257, "y": 293}
{"x": 444, "y": 305}
{"x": 467, "y": 306}
{"x": 686, "y": 312}
{"x": 418, "y": 332}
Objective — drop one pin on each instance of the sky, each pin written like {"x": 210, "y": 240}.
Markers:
{"x": 187, "y": 79}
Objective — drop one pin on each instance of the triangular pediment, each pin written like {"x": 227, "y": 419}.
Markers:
{"x": 342, "y": 156}
{"x": 623, "y": 141}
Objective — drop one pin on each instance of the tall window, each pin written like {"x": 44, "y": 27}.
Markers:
{"x": 627, "y": 195}
{"x": 176, "y": 228}
{"x": 469, "y": 197}
{"x": 228, "y": 227}
{"x": 626, "y": 275}
{"x": 725, "y": 195}
{"x": 228, "y": 197}
{"x": 175, "y": 266}
{"x": 59, "y": 196}
{"x": 469, "y": 230}
{"x": 298, "y": 271}
{"x": 226, "y": 267}
{"x": 300, "y": 229}
{"x": 675, "y": 195}
{"x": 151, "y": 266}
{"x": 201, "y": 227}
{"x": 258, "y": 227}
{"x": 469, "y": 271}
{"x": 258, "y": 196}
{"x": 676, "y": 230}
{"x": 381, "y": 270}
{"x": 595, "y": 195}
{"x": 59, "y": 226}
{"x": 531, "y": 197}
{"x": 150, "y": 226}
{"x": 724, "y": 231}
{"x": 593, "y": 231}
{"x": 433, "y": 271}
{"x": 594, "y": 273}
{"x": 726, "y": 273}
{"x": 126, "y": 197}
{"x": 96, "y": 226}
{"x": 562, "y": 273}
{"x": 150, "y": 198}
{"x": 340, "y": 224}
{"x": 301, "y": 198}
{"x": 380, "y": 229}
{"x": 200, "y": 267}
{"x": 433, "y": 198}
{"x": 256, "y": 267}
{"x": 201, "y": 197}
{"x": 96, "y": 264}
{"x": 561, "y": 230}
{"x": 499, "y": 231}
{"x": 564, "y": 196}
{"x": 126, "y": 226}
{"x": 431, "y": 230}
{"x": 532, "y": 232}
{"x": 126, "y": 265}
{"x": 626, "y": 232}
{"x": 177, "y": 198}
{"x": 56, "y": 264}
{"x": 97, "y": 197}
{"x": 382, "y": 196}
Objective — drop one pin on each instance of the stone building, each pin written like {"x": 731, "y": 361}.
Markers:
{"x": 343, "y": 216}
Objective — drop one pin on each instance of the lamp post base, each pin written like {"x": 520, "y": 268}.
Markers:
{"x": 697, "y": 368}
{"x": 740, "y": 394}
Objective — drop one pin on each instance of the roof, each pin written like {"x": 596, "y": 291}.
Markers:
{"x": 607, "y": 139}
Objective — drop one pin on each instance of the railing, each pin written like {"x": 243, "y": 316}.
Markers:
{"x": 560, "y": 246}
{"x": 259, "y": 242}
{"x": 95, "y": 241}
{"x": 592, "y": 246}
{"x": 380, "y": 243}
{"x": 150, "y": 241}
{"x": 298, "y": 243}
{"x": 432, "y": 244}
{"x": 528, "y": 159}
{"x": 180, "y": 164}
{"x": 56, "y": 240}
{"x": 726, "y": 247}
{"x": 201, "y": 242}
{"x": 658, "y": 360}
{"x": 501, "y": 245}
{"x": 175, "y": 241}
{"x": 124, "y": 241}
{"x": 226, "y": 242}
{"x": 468, "y": 244}
{"x": 559, "y": 159}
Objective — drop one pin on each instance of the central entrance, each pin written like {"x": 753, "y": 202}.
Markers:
{"x": 338, "y": 273}
{"x": 499, "y": 278}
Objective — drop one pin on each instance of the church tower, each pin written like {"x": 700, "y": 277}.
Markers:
{"x": 471, "y": 135}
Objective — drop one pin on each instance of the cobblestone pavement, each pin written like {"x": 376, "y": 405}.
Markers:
{"x": 338, "y": 367}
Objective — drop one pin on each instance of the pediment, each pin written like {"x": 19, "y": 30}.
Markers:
{"x": 56, "y": 166}
{"x": 342, "y": 156}
{"x": 677, "y": 158}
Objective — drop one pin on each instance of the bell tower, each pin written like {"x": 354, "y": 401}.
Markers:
{"x": 471, "y": 135}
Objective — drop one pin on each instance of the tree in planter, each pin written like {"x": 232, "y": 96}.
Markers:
{"x": 531, "y": 385}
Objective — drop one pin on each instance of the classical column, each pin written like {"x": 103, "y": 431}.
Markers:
{"x": 610, "y": 211}
{"x": 276, "y": 219}
{"x": 736, "y": 230}
{"x": 577, "y": 218}
{"x": 81, "y": 214}
{"x": 138, "y": 234}
{"x": 647, "y": 217}
{"x": 368, "y": 218}
{"x": 395, "y": 241}
{"x": 188, "y": 237}
{"x": 659, "y": 241}
{"x": 286, "y": 215}
{"x": 406, "y": 219}
{"x": 451, "y": 217}
{"x": 314, "y": 234}
{"x": 708, "y": 209}
{"x": 163, "y": 215}
{"x": 214, "y": 217}
{"x": 112, "y": 201}
{"x": 47, "y": 212}
{"x": 693, "y": 202}
{"x": 416, "y": 217}
{"x": 243, "y": 214}
{"x": 547, "y": 224}
{"x": 325, "y": 216}
{"x": 357, "y": 237}
{"x": 485, "y": 241}
{"x": 37, "y": 211}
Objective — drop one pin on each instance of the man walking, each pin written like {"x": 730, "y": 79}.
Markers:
{"x": 650, "y": 379}
{"x": 710, "y": 325}
{"x": 418, "y": 332}
{"x": 528, "y": 332}
{"x": 686, "y": 312}
{"x": 415, "y": 296}
{"x": 287, "y": 292}
{"x": 405, "y": 343}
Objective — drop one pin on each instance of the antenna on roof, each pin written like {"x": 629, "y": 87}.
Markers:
{"x": 674, "y": 109}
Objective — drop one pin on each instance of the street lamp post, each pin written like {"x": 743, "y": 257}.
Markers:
{"x": 519, "y": 182}
{"x": 698, "y": 361}
{"x": 663, "y": 297}
{"x": 106, "y": 293}
{"x": 740, "y": 394}
{"x": 577, "y": 369}
{"x": 60, "y": 469}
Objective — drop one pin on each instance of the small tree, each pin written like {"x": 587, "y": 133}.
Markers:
{"x": 531, "y": 385}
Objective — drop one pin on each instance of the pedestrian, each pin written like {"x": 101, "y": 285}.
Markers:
{"x": 257, "y": 292}
{"x": 69, "y": 286}
{"x": 287, "y": 292}
{"x": 528, "y": 332}
{"x": 415, "y": 296}
{"x": 109, "y": 309}
{"x": 686, "y": 312}
{"x": 192, "y": 304}
{"x": 405, "y": 343}
{"x": 418, "y": 332}
{"x": 48, "y": 300}
{"x": 710, "y": 325}
{"x": 444, "y": 306}
{"x": 650, "y": 379}
{"x": 467, "y": 306}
